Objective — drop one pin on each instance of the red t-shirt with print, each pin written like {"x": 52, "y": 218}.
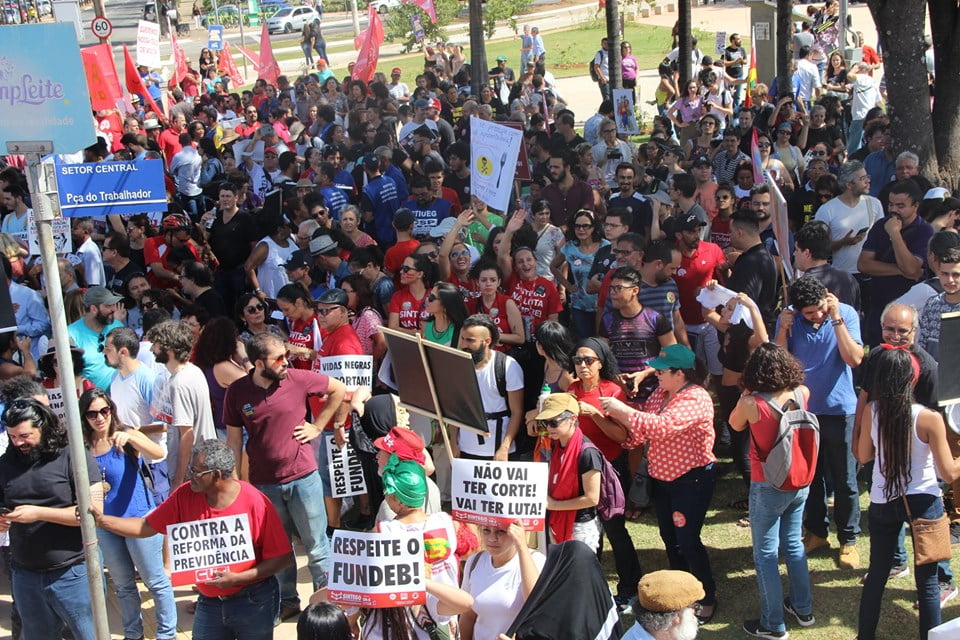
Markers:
{"x": 694, "y": 272}
{"x": 409, "y": 307}
{"x": 537, "y": 299}
{"x": 497, "y": 312}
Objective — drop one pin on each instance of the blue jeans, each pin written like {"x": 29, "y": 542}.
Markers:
{"x": 248, "y": 615}
{"x": 299, "y": 503}
{"x": 124, "y": 557}
{"x": 49, "y": 600}
{"x": 775, "y": 525}
{"x": 854, "y": 136}
{"x": 307, "y": 52}
{"x": 836, "y": 458}
{"x": 886, "y": 521}
{"x": 681, "y": 506}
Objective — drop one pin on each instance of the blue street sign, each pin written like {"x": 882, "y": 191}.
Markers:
{"x": 215, "y": 38}
{"x": 102, "y": 188}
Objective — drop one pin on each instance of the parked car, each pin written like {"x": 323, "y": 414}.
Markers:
{"x": 292, "y": 19}
{"x": 45, "y": 7}
{"x": 384, "y": 6}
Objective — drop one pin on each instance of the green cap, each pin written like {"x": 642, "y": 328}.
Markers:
{"x": 675, "y": 356}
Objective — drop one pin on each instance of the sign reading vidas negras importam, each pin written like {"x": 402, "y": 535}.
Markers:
{"x": 103, "y": 188}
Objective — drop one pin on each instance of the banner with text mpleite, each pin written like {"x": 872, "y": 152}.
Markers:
{"x": 202, "y": 549}
{"x": 495, "y": 494}
{"x": 377, "y": 570}
{"x": 493, "y": 161}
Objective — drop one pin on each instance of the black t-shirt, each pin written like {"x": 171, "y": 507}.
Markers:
{"x": 590, "y": 460}
{"x": 639, "y": 207}
{"x": 826, "y": 135}
{"x": 115, "y": 279}
{"x": 802, "y": 207}
{"x": 231, "y": 242}
{"x": 735, "y": 53}
{"x": 41, "y": 546}
{"x": 603, "y": 259}
{"x": 924, "y": 392}
{"x": 755, "y": 274}
{"x": 213, "y": 303}
{"x": 460, "y": 185}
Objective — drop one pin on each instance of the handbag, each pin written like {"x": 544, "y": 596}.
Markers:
{"x": 931, "y": 537}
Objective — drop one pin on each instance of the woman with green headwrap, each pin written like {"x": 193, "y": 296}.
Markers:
{"x": 405, "y": 488}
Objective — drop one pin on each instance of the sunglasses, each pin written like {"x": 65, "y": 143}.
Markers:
{"x": 460, "y": 254}
{"x": 326, "y": 310}
{"x": 548, "y": 424}
{"x": 587, "y": 360}
{"x": 100, "y": 340}
{"x": 149, "y": 304}
{"x": 92, "y": 414}
{"x": 407, "y": 268}
{"x": 253, "y": 308}
{"x": 431, "y": 254}
{"x": 620, "y": 253}
{"x": 763, "y": 145}
{"x": 818, "y": 153}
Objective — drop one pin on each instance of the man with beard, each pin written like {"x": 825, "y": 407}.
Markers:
{"x": 501, "y": 386}
{"x": 754, "y": 271}
{"x": 49, "y": 574}
{"x": 183, "y": 403}
{"x": 565, "y": 193}
{"x": 90, "y": 332}
{"x": 664, "y": 609}
{"x": 269, "y": 403}
{"x": 761, "y": 201}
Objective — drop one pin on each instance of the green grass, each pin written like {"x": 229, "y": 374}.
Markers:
{"x": 836, "y": 592}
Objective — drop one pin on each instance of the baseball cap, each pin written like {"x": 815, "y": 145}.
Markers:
{"x": 299, "y": 259}
{"x": 395, "y": 71}
{"x": 403, "y": 442}
{"x": 937, "y": 193}
{"x": 557, "y": 403}
{"x": 435, "y": 104}
{"x": 422, "y": 103}
{"x": 272, "y": 150}
{"x": 371, "y": 162}
{"x": 701, "y": 161}
{"x": 674, "y": 356}
{"x": 333, "y": 296}
{"x": 100, "y": 295}
{"x": 323, "y": 244}
{"x": 687, "y": 222}
{"x": 501, "y": 58}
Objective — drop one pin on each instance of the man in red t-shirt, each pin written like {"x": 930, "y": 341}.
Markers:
{"x": 214, "y": 492}
{"x": 406, "y": 244}
{"x": 175, "y": 233}
{"x": 701, "y": 262}
{"x": 270, "y": 404}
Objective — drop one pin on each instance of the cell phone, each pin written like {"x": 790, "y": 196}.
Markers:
{"x": 5, "y": 510}
{"x": 861, "y": 231}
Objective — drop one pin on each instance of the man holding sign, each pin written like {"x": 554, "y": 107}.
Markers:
{"x": 270, "y": 404}
{"x": 226, "y": 537}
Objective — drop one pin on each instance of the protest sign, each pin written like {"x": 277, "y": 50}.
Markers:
{"x": 200, "y": 549}
{"x": 720, "y": 43}
{"x": 62, "y": 238}
{"x": 346, "y": 474}
{"x": 625, "y": 111}
{"x": 57, "y": 404}
{"x": 495, "y": 494}
{"x": 493, "y": 161}
{"x": 148, "y": 44}
{"x": 352, "y": 371}
{"x": 102, "y": 188}
{"x": 43, "y": 89}
{"x": 377, "y": 570}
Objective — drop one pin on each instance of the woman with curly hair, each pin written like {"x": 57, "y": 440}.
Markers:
{"x": 909, "y": 445}
{"x": 773, "y": 383}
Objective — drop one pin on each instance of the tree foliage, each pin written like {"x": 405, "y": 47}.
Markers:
{"x": 399, "y": 29}
{"x": 495, "y": 11}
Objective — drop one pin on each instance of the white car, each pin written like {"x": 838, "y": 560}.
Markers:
{"x": 292, "y": 19}
{"x": 384, "y": 6}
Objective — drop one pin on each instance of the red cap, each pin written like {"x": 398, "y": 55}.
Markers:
{"x": 403, "y": 442}
{"x": 272, "y": 150}
{"x": 396, "y": 71}
{"x": 435, "y": 104}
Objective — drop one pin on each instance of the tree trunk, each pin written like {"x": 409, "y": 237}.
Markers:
{"x": 945, "y": 23}
{"x": 784, "y": 56}
{"x": 900, "y": 25}
{"x": 615, "y": 71}
{"x": 478, "y": 52}
{"x": 683, "y": 41}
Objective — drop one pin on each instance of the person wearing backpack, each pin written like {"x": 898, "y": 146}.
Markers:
{"x": 677, "y": 421}
{"x": 824, "y": 335}
{"x": 600, "y": 68}
{"x": 774, "y": 394}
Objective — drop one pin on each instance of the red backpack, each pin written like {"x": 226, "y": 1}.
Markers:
{"x": 792, "y": 460}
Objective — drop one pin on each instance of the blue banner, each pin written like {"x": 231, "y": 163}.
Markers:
{"x": 102, "y": 188}
{"x": 43, "y": 88}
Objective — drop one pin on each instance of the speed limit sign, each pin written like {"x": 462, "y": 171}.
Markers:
{"x": 101, "y": 27}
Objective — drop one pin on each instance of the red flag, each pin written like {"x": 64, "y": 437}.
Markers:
{"x": 229, "y": 67}
{"x": 252, "y": 56}
{"x": 752, "y": 73}
{"x": 269, "y": 68}
{"x": 179, "y": 61}
{"x": 427, "y": 6}
{"x": 369, "y": 52}
{"x": 102, "y": 80}
{"x": 135, "y": 82}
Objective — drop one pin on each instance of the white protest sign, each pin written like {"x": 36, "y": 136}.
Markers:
{"x": 148, "y": 44}
{"x": 346, "y": 474}
{"x": 720, "y": 295}
{"x": 352, "y": 371}
{"x": 57, "y": 405}
{"x": 201, "y": 549}
{"x": 493, "y": 161}
{"x": 377, "y": 570}
{"x": 721, "y": 42}
{"x": 62, "y": 238}
{"x": 495, "y": 494}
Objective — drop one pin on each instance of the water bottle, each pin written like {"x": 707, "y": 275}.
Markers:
{"x": 544, "y": 392}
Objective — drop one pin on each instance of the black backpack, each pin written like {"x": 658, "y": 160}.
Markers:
{"x": 593, "y": 67}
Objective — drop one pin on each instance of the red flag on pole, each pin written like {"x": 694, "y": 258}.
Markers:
{"x": 229, "y": 67}
{"x": 428, "y": 7}
{"x": 752, "y": 73}
{"x": 102, "y": 80}
{"x": 179, "y": 61}
{"x": 369, "y": 53}
{"x": 269, "y": 68}
{"x": 135, "y": 82}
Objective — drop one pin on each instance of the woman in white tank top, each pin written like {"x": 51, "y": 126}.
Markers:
{"x": 908, "y": 443}
{"x": 264, "y": 267}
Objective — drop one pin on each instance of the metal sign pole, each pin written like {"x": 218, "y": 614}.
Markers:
{"x": 43, "y": 215}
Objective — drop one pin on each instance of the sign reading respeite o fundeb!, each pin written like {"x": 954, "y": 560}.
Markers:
{"x": 201, "y": 549}
{"x": 377, "y": 570}
{"x": 103, "y": 188}
{"x": 495, "y": 494}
